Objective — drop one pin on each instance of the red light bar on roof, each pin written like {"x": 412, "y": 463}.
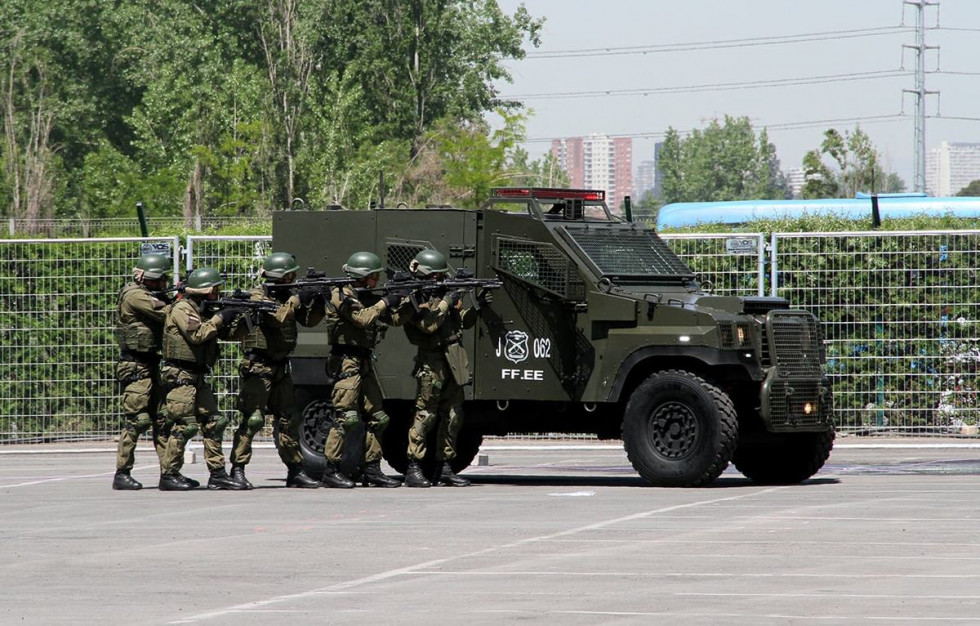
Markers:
{"x": 549, "y": 193}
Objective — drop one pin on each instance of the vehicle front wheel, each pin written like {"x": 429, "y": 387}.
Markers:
{"x": 679, "y": 430}
{"x": 783, "y": 458}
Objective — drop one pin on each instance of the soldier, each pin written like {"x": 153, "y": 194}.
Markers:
{"x": 141, "y": 311}
{"x": 266, "y": 384}
{"x": 355, "y": 329}
{"x": 190, "y": 350}
{"x": 442, "y": 369}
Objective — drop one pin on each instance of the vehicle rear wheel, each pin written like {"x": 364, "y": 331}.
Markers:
{"x": 783, "y": 458}
{"x": 316, "y": 413}
{"x": 679, "y": 430}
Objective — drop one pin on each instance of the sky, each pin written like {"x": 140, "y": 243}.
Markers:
{"x": 847, "y": 54}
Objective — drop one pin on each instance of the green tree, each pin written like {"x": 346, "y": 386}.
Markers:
{"x": 855, "y": 165}
{"x": 724, "y": 161}
{"x": 971, "y": 190}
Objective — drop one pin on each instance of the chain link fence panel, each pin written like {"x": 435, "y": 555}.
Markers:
{"x": 899, "y": 316}
{"x": 58, "y": 348}
{"x": 728, "y": 264}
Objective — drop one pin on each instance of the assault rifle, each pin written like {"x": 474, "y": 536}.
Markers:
{"x": 313, "y": 279}
{"x": 240, "y": 300}
{"x": 419, "y": 290}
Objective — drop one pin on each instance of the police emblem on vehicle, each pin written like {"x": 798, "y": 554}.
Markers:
{"x": 515, "y": 348}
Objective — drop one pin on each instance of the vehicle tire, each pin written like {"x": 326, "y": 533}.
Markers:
{"x": 394, "y": 444}
{"x": 679, "y": 430}
{"x": 316, "y": 413}
{"x": 783, "y": 458}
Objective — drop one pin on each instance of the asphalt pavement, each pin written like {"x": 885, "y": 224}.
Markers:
{"x": 886, "y": 533}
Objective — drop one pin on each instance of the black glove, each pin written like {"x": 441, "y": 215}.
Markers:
{"x": 307, "y": 295}
{"x": 452, "y": 298}
{"x": 392, "y": 299}
{"x": 228, "y": 315}
{"x": 485, "y": 296}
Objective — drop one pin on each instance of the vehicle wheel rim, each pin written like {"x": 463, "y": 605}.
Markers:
{"x": 674, "y": 429}
{"x": 316, "y": 416}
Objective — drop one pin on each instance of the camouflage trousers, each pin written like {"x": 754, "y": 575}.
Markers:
{"x": 355, "y": 392}
{"x": 190, "y": 405}
{"x": 266, "y": 389}
{"x": 439, "y": 399}
{"x": 140, "y": 401}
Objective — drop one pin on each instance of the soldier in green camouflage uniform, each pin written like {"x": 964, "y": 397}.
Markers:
{"x": 266, "y": 384}
{"x": 442, "y": 369}
{"x": 190, "y": 350}
{"x": 355, "y": 329}
{"x": 141, "y": 311}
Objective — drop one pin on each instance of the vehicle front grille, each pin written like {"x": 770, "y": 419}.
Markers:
{"x": 787, "y": 399}
{"x": 792, "y": 348}
{"x": 793, "y": 344}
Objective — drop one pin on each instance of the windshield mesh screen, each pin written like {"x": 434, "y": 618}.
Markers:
{"x": 621, "y": 252}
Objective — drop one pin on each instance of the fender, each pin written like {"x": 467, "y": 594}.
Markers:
{"x": 710, "y": 357}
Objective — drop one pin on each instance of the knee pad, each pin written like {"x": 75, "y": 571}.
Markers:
{"x": 378, "y": 422}
{"x": 142, "y": 422}
{"x": 218, "y": 425}
{"x": 255, "y": 423}
{"x": 349, "y": 419}
{"x": 190, "y": 430}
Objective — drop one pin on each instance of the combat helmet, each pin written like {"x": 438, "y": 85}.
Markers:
{"x": 428, "y": 262}
{"x": 202, "y": 280}
{"x": 151, "y": 267}
{"x": 362, "y": 265}
{"x": 278, "y": 264}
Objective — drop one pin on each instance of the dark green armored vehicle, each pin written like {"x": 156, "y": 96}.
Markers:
{"x": 599, "y": 328}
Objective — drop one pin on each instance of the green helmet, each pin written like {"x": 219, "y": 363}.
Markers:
{"x": 204, "y": 279}
{"x": 429, "y": 262}
{"x": 152, "y": 267}
{"x": 362, "y": 264}
{"x": 278, "y": 264}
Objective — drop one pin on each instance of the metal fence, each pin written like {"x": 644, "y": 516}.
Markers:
{"x": 727, "y": 264}
{"x": 57, "y": 342}
{"x": 899, "y": 312}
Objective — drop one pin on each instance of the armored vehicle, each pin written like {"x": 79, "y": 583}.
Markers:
{"x": 599, "y": 328}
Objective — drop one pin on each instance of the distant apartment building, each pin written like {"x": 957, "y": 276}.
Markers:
{"x": 598, "y": 162}
{"x": 951, "y": 167}
{"x": 796, "y": 178}
{"x": 644, "y": 178}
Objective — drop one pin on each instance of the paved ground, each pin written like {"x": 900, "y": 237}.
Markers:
{"x": 570, "y": 536}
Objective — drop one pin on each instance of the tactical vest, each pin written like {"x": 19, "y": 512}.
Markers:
{"x": 175, "y": 345}
{"x": 277, "y": 342}
{"x": 450, "y": 332}
{"x": 134, "y": 333}
{"x": 342, "y": 331}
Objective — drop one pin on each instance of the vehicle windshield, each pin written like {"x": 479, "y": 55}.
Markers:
{"x": 630, "y": 255}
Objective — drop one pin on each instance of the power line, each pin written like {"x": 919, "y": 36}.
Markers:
{"x": 758, "y": 84}
{"x": 721, "y": 43}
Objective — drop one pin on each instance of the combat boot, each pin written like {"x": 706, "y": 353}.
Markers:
{"x": 122, "y": 481}
{"x": 449, "y": 478}
{"x": 374, "y": 477}
{"x": 296, "y": 477}
{"x": 172, "y": 482}
{"x": 333, "y": 477}
{"x": 190, "y": 481}
{"x": 414, "y": 476}
{"x": 221, "y": 480}
{"x": 238, "y": 475}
